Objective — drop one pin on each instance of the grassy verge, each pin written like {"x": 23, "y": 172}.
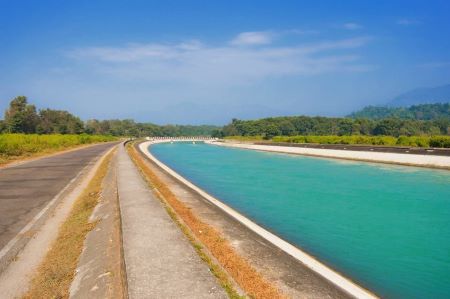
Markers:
{"x": 56, "y": 272}
{"x": 20, "y": 146}
{"x": 410, "y": 141}
{"x": 244, "y": 138}
{"x": 201, "y": 234}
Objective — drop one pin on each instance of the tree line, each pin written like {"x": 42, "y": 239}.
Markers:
{"x": 430, "y": 119}
{"x": 22, "y": 117}
{"x": 419, "y": 112}
{"x": 306, "y": 125}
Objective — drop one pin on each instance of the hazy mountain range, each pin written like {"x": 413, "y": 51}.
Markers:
{"x": 439, "y": 94}
{"x": 420, "y": 104}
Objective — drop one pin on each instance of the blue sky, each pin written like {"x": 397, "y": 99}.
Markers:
{"x": 209, "y": 61}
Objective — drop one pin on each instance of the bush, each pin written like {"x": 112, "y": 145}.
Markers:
{"x": 415, "y": 141}
{"x": 23, "y": 144}
{"x": 440, "y": 141}
{"x": 244, "y": 138}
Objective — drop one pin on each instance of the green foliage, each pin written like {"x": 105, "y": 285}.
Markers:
{"x": 440, "y": 141}
{"x": 304, "y": 125}
{"x": 413, "y": 141}
{"x": 128, "y": 127}
{"x": 24, "y": 144}
{"x": 418, "y": 112}
{"x": 21, "y": 117}
{"x": 58, "y": 122}
{"x": 2, "y": 126}
{"x": 245, "y": 138}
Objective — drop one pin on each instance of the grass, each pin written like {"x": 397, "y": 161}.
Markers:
{"x": 57, "y": 270}
{"x": 410, "y": 141}
{"x": 203, "y": 235}
{"x": 20, "y": 146}
{"x": 245, "y": 138}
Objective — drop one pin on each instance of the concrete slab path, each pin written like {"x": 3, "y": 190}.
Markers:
{"x": 160, "y": 262}
{"x": 99, "y": 273}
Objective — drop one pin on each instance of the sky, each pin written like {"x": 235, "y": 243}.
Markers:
{"x": 206, "y": 62}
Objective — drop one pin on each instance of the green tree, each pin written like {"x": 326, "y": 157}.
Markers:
{"x": 21, "y": 117}
{"x": 287, "y": 128}
{"x": 2, "y": 126}
{"x": 59, "y": 122}
{"x": 270, "y": 131}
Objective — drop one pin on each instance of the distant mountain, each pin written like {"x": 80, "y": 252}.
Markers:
{"x": 440, "y": 94}
{"x": 418, "y": 112}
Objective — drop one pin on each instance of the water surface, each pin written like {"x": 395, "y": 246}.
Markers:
{"x": 386, "y": 227}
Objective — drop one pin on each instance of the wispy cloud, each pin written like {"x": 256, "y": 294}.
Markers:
{"x": 407, "y": 22}
{"x": 435, "y": 65}
{"x": 199, "y": 63}
{"x": 253, "y": 38}
{"x": 299, "y": 32}
{"x": 134, "y": 52}
{"x": 352, "y": 26}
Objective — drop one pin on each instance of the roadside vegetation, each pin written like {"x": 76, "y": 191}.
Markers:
{"x": 57, "y": 270}
{"x": 207, "y": 240}
{"x": 19, "y": 146}
{"x": 22, "y": 117}
{"x": 409, "y": 141}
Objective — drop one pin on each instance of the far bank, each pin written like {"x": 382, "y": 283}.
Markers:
{"x": 432, "y": 158}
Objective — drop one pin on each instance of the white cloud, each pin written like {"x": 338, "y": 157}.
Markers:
{"x": 194, "y": 63}
{"x": 253, "y": 38}
{"x": 407, "y": 22}
{"x": 352, "y": 26}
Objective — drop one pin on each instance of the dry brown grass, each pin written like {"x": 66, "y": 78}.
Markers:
{"x": 56, "y": 272}
{"x": 250, "y": 280}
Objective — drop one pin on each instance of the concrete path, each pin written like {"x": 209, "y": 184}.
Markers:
{"x": 160, "y": 262}
{"x": 99, "y": 273}
{"x": 25, "y": 189}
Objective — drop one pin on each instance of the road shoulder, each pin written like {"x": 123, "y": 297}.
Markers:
{"x": 18, "y": 272}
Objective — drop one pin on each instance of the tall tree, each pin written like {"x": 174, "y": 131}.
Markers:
{"x": 21, "y": 117}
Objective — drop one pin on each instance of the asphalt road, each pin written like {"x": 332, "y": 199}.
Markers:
{"x": 26, "y": 189}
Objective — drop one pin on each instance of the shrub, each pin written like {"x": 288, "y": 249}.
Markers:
{"x": 440, "y": 141}
{"x": 415, "y": 141}
{"x": 23, "y": 144}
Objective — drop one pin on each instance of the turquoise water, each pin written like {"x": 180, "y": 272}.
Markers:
{"x": 385, "y": 227}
